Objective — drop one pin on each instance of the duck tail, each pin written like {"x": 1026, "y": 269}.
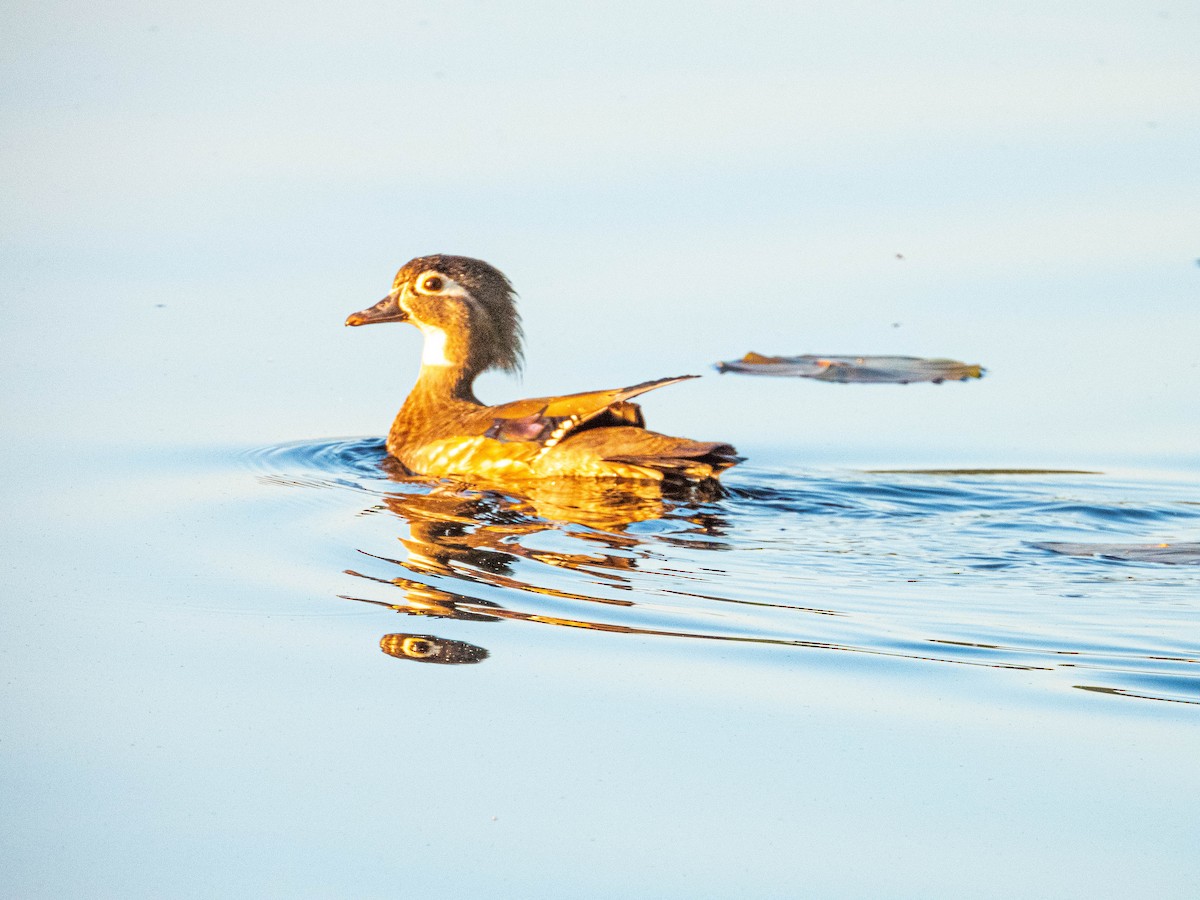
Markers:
{"x": 692, "y": 461}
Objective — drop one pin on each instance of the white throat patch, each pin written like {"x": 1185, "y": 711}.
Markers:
{"x": 434, "y": 353}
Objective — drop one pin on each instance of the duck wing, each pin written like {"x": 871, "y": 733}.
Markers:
{"x": 547, "y": 420}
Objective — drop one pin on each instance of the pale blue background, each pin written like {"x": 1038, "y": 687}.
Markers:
{"x": 667, "y": 184}
{"x": 195, "y": 195}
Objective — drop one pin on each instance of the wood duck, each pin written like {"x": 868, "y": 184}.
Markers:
{"x": 466, "y": 311}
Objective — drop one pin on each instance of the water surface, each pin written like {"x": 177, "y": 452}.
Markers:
{"x": 220, "y": 675}
{"x": 1059, "y": 573}
{"x": 280, "y": 671}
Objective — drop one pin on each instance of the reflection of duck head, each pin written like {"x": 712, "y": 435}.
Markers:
{"x": 431, "y": 649}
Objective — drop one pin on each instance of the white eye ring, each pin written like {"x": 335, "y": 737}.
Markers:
{"x": 432, "y": 283}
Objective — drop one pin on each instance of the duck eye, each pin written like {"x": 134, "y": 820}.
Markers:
{"x": 433, "y": 283}
{"x": 421, "y": 648}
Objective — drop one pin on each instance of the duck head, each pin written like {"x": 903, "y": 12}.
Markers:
{"x": 465, "y": 308}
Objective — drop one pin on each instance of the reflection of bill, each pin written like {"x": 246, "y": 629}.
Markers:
{"x": 431, "y": 649}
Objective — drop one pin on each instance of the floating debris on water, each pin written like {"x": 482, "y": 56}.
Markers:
{"x": 855, "y": 369}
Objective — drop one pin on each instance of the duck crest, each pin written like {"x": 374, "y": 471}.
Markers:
{"x": 495, "y": 333}
{"x": 466, "y": 310}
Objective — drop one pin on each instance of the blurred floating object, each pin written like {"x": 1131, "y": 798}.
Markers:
{"x": 431, "y": 649}
{"x": 858, "y": 369}
{"x": 1182, "y": 553}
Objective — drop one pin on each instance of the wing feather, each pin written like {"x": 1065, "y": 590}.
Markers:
{"x": 547, "y": 420}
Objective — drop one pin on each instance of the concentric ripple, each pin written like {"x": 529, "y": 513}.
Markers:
{"x": 1045, "y": 571}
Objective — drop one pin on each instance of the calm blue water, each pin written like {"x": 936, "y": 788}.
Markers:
{"x": 939, "y": 569}
{"x": 283, "y": 671}
{"x": 223, "y": 678}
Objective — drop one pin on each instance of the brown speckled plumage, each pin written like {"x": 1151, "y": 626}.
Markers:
{"x": 467, "y": 312}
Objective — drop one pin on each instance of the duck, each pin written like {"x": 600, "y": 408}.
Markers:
{"x": 466, "y": 312}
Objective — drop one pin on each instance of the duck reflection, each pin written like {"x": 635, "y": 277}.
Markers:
{"x": 465, "y": 541}
{"x": 477, "y": 535}
{"x": 430, "y": 649}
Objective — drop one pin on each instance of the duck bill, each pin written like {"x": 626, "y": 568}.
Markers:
{"x": 386, "y": 310}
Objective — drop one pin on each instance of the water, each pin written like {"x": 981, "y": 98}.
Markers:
{"x": 240, "y": 663}
{"x": 935, "y": 567}
{"x": 250, "y": 669}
